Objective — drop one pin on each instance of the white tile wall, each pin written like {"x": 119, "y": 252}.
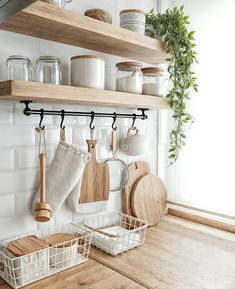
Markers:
{"x": 18, "y": 139}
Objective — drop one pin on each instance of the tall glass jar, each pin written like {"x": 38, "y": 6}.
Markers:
{"x": 129, "y": 77}
{"x": 48, "y": 69}
{"x": 153, "y": 81}
{"x": 19, "y": 68}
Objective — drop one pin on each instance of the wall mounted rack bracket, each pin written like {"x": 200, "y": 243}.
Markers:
{"x": 28, "y": 111}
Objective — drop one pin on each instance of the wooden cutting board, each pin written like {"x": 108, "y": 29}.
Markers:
{"x": 136, "y": 171}
{"x": 95, "y": 179}
{"x": 26, "y": 245}
{"x": 148, "y": 200}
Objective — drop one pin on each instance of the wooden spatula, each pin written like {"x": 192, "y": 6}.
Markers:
{"x": 95, "y": 180}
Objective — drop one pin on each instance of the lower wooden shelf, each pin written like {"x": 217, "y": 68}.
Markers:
{"x": 17, "y": 90}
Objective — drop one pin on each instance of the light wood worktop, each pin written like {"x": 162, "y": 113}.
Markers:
{"x": 177, "y": 254}
{"x": 90, "y": 275}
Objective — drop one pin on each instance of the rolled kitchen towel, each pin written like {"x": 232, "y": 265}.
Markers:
{"x": 63, "y": 175}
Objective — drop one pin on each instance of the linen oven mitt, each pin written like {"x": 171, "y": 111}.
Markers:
{"x": 63, "y": 175}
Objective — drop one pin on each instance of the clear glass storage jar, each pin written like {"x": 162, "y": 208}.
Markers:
{"x": 153, "y": 81}
{"x": 48, "y": 69}
{"x": 19, "y": 68}
{"x": 129, "y": 77}
{"x": 58, "y": 3}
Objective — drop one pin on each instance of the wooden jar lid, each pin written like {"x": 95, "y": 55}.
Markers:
{"x": 26, "y": 245}
{"x": 99, "y": 14}
{"x": 152, "y": 70}
{"x": 128, "y": 64}
{"x": 133, "y": 11}
{"x": 58, "y": 238}
{"x": 87, "y": 56}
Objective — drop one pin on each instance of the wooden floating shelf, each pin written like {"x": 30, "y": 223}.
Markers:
{"x": 17, "y": 90}
{"x": 46, "y": 21}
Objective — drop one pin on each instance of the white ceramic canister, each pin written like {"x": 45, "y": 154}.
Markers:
{"x": 88, "y": 71}
{"x": 133, "y": 19}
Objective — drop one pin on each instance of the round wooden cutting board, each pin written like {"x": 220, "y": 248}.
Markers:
{"x": 148, "y": 199}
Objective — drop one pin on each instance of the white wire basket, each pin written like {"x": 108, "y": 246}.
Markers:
{"x": 115, "y": 233}
{"x": 20, "y": 271}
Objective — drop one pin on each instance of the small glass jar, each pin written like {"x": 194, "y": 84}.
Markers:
{"x": 58, "y": 3}
{"x": 129, "y": 77}
{"x": 19, "y": 68}
{"x": 48, "y": 69}
{"x": 153, "y": 81}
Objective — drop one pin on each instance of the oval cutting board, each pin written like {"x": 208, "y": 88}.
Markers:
{"x": 148, "y": 199}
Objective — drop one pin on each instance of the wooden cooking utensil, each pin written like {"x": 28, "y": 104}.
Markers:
{"x": 42, "y": 209}
{"x": 26, "y": 245}
{"x": 136, "y": 171}
{"x": 95, "y": 180}
{"x": 148, "y": 200}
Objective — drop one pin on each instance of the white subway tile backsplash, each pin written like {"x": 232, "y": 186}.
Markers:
{"x": 16, "y": 226}
{"x": 19, "y": 141}
{"x": 6, "y": 113}
{"x": 23, "y": 203}
{"x": 7, "y": 205}
{"x": 18, "y": 181}
{"x": 6, "y": 159}
{"x": 26, "y": 158}
{"x": 15, "y": 136}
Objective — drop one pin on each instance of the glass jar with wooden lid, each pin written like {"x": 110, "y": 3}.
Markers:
{"x": 153, "y": 81}
{"x": 129, "y": 77}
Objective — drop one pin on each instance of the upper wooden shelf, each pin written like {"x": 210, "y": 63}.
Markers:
{"x": 17, "y": 90}
{"x": 46, "y": 21}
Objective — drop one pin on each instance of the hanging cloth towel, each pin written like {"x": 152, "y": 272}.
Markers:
{"x": 63, "y": 175}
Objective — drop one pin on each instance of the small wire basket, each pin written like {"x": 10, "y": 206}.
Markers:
{"x": 115, "y": 233}
{"x": 20, "y": 271}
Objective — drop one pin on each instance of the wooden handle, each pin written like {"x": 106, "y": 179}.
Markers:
{"x": 91, "y": 147}
{"x": 114, "y": 141}
{"x": 42, "y": 158}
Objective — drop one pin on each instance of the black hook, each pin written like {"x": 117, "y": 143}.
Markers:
{"x": 41, "y": 119}
{"x": 92, "y": 119}
{"x": 62, "y": 119}
{"x": 114, "y": 120}
{"x": 134, "y": 119}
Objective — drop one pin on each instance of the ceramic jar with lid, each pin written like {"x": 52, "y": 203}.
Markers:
{"x": 48, "y": 69}
{"x": 133, "y": 19}
{"x": 88, "y": 71}
{"x": 129, "y": 77}
{"x": 153, "y": 81}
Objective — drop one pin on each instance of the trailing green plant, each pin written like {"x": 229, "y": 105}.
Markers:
{"x": 171, "y": 27}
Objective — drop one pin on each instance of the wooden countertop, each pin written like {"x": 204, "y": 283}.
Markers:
{"x": 90, "y": 275}
{"x": 177, "y": 254}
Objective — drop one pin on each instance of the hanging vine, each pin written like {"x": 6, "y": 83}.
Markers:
{"x": 171, "y": 26}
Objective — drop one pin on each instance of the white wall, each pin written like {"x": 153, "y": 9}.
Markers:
{"x": 18, "y": 145}
{"x": 205, "y": 173}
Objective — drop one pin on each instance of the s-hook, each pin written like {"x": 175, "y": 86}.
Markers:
{"x": 41, "y": 119}
{"x": 134, "y": 119}
{"x": 114, "y": 121}
{"x": 92, "y": 127}
{"x": 62, "y": 120}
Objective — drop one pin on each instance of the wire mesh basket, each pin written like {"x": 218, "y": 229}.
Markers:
{"x": 23, "y": 270}
{"x": 115, "y": 233}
